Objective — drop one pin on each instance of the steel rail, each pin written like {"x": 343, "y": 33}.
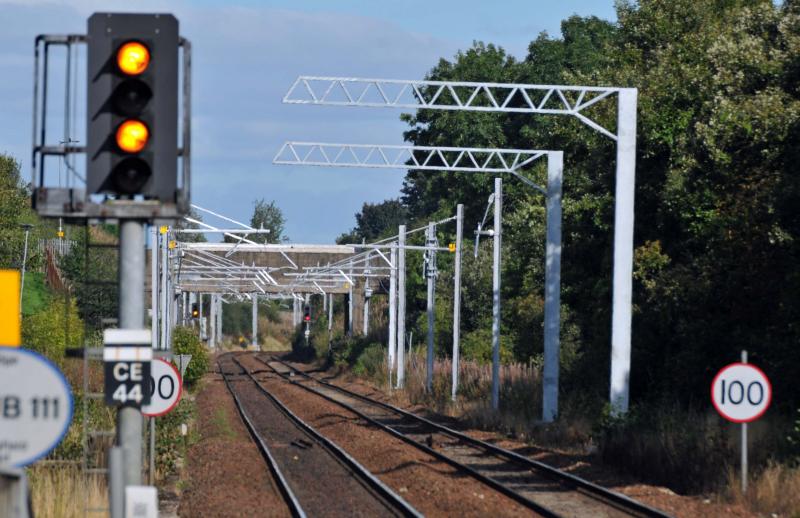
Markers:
{"x": 370, "y": 481}
{"x": 613, "y": 498}
{"x": 505, "y": 490}
{"x": 283, "y": 486}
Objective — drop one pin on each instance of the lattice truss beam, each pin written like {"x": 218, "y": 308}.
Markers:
{"x": 451, "y": 95}
{"x": 426, "y": 158}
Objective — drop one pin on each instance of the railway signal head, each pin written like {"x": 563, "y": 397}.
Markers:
{"x": 195, "y": 311}
{"x": 132, "y": 119}
{"x": 307, "y": 313}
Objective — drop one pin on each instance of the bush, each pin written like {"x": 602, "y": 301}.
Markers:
{"x": 186, "y": 341}
{"x": 371, "y": 363}
{"x": 53, "y": 329}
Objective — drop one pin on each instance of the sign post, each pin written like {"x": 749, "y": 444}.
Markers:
{"x": 741, "y": 393}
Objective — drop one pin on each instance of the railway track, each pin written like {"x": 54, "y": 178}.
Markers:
{"x": 542, "y": 488}
{"x": 315, "y": 477}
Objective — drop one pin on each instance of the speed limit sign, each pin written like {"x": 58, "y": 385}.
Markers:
{"x": 741, "y": 392}
{"x": 165, "y": 388}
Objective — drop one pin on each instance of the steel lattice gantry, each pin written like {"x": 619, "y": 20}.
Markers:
{"x": 524, "y": 99}
{"x": 475, "y": 160}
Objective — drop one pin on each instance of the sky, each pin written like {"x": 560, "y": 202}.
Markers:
{"x": 246, "y": 54}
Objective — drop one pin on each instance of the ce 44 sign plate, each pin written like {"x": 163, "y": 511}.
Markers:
{"x": 126, "y": 357}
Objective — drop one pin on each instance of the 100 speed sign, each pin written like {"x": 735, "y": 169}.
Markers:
{"x": 741, "y": 392}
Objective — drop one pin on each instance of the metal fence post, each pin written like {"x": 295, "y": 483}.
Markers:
{"x": 498, "y": 214}
{"x": 401, "y": 306}
{"x": 552, "y": 287}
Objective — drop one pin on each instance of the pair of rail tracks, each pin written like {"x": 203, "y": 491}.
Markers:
{"x": 315, "y": 476}
{"x": 542, "y": 488}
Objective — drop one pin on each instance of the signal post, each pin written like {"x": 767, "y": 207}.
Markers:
{"x": 132, "y": 150}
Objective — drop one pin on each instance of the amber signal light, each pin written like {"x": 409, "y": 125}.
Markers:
{"x": 132, "y": 136}
{"x": 133, "y": 58}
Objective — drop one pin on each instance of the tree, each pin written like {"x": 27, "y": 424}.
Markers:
{"x": 268, "y": 216}
{"x": 376, "y": 220}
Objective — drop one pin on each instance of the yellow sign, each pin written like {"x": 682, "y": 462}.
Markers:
{"x": 172, "y": 244}
{"x": 451, "y": 247}
{"x": 163, "y": 229}
{"x": 60, "y": 234}
{"x": 346, "y": 286}
{"x": 9, "y": 308}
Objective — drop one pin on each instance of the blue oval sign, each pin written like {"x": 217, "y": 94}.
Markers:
{"x": 35, "y": 406}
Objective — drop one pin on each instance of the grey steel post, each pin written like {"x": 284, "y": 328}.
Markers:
{"x": 255, "y": 322}
{"x": 131, "y": 316}
{"x": 325, "y": 302}
{"x": 623, "y": 251}
{"x": 116, "y": 482}
{"x": 744, "y": 444}
{"x": 330, "y": 321}
{"x": 219, "y": 319}
{"x": 350, "y": 303}
{"x": 212, "y": 321}
{"x": 401, "y": 306}
{"x": 164, "y": 309}
{"x": 152, "y": 451}
{"x": 365, "y": 325}
{"x": 201, "y": 330}
{"x": 498, "y": 214}
{"x": 154, "y": 286}
{"x": 457, "y": 297}
{"x": 392, "y": 310}
{"x": 431, "y": 275}
{"x": 552, "y": 287}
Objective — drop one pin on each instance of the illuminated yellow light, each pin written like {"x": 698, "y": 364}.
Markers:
{"x": 133, "y": 58}
{"x": 172, "y": 245}
{"x": 132, "y": 136}
{"x": 163, "y": 229}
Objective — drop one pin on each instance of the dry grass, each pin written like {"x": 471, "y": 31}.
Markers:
{"x": 773, "y": 491}
{"x": 64, "y": 492}
{"x": 520, "y": 401}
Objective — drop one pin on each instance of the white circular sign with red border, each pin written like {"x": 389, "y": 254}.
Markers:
{"x": 741, "y": 392}
{"x": 165, "y": 388}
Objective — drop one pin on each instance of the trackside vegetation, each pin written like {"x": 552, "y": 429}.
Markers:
{"x": 717, "y": 228}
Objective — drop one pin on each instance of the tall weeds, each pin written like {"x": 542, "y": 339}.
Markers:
{"x": 65, "y": 492}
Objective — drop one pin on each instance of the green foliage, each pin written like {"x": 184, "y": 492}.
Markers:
{"x": 35, "y": 295}
{"x": 716, "y": 222}
{"x": 186, "y": 341}
{"x": 477, "y": 345}
{"x": 170, "y": 444}
{"x": 54, "y": 328}
{"x": 374, "y": 221}
{"x": 371, "y": 363}
{"x": 15, "y": 211}
{"x": 268, "y": 216}
{"x": 82, "y": 266}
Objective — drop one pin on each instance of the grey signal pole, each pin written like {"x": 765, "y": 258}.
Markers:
{"x": 498, "y": 214}
{"x": 430, "y": 271}
{"x": 392, "y": 312}
{"x": 131, "y": 316}
{"x": 401, "y": 306}
{"x": 457, "y": 296}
